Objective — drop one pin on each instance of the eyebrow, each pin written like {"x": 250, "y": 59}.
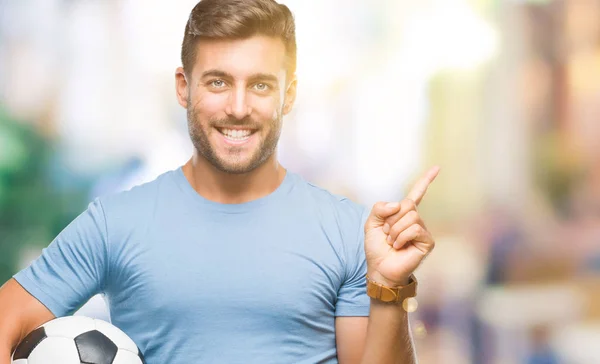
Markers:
{"x": 216, "y": 73}
{"x": 264, "y": 77}
{"x": 254, "y": 77}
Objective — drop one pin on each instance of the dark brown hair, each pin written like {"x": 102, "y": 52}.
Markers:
{"x": 238, "y": 19}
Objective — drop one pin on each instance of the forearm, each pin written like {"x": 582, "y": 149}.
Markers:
{"x": 10, "y": 333}
{"x": 8, "y": 342}
{"x": 4, "y": 355}
{"x": 5, "y": 348}
{"x": 20, "y": 313}
{"x": 388, "y": 336}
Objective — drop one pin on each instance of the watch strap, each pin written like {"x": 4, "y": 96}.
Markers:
{"x": 387, "y": 294}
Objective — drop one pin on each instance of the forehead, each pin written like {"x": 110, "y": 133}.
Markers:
{"x": 241, "y": 57}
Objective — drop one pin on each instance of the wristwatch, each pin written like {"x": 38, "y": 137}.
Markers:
{"x": 392, "y": 294}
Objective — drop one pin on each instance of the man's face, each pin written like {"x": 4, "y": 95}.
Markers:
{"x": 235, "y": 101}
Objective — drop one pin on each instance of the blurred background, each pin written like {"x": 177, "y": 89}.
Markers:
{"x": 504, "y": 95}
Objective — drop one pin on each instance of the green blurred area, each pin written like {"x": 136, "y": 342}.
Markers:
{"x": 33, "y": 209}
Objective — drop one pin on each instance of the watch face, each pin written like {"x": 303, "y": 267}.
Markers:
{"x": 388, "y": 295}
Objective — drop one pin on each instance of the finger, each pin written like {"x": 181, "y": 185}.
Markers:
{"x": 380, "y": 212}
{"x": 419, "y": 189}
{"x": 411, "y": 218}
{"x": 414, "y": 232}
{"x": 406, "y": 206}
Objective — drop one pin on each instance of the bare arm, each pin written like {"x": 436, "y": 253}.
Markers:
{"x": 350, "y": 337}
{"x": 383, "y": 337}
{"x": 20, "y": 313}
{"x": 388, "y": 336}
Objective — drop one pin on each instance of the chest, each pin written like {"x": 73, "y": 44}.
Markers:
{"x": 232, "y": 271}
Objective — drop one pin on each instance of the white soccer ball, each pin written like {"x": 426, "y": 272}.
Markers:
{"x": 75, "y": 340}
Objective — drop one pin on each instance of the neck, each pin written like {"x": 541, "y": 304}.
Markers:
{"x": 227, "y": 188}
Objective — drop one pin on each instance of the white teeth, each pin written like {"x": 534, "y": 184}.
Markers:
{"x": 236, "y": 134}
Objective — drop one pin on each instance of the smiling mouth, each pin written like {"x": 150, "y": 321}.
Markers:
{"x": 236, "y": 135}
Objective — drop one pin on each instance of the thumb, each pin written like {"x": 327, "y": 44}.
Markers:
{"x": 380, "y": 212}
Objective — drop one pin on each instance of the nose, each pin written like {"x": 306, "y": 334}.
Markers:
{"x": 237, "y": 105}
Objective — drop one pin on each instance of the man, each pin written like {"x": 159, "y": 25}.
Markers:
{"x": 231, "y": 258}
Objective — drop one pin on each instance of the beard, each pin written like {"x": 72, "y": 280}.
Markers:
{"x": 236, "y": 160}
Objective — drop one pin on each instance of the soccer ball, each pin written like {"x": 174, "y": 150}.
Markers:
{"x": 75, "y": 340}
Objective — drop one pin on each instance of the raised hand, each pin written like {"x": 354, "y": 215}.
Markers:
{"x": 396, "y": 239}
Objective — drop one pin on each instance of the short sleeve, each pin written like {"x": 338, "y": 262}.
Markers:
{"x": 352, "y": 296}
{"x": 73, "y": 267}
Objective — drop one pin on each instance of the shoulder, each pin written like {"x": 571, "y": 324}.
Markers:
{"x": 138, "y": 200}
{"x": 340, "y": 208}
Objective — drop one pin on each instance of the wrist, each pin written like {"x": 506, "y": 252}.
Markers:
{"x": 381, "y": 279}
{"x": 387, "y": 293}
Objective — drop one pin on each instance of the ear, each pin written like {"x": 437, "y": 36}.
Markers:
{"x": 181, "y": 87}
{"x": 290, "y": 96}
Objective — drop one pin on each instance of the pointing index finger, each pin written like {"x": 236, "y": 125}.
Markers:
{"x": 419, "y": 189}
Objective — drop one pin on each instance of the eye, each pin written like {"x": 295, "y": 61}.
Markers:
{"x": 217, "y": 83}
{"x": 261, "y": 87}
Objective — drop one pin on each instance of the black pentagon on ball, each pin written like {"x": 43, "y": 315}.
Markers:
{"x": 95, "y": 348}
{"x": 29, "y": 343}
